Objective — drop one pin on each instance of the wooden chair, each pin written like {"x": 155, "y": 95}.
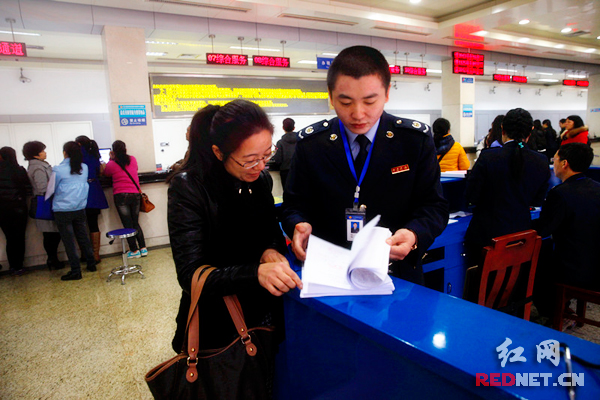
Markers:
{"x": 566, "y": 293}
{"x": 507, "y": 254}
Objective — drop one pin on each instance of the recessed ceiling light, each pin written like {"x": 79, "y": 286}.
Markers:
{"x": 566, "y": 30}
{"x": 307, "y": 62}
{"x": 559, "y": 46}
{"x": 156, "y": 42}
{"x": 22, "y": 33}
{"x": 598, "y": 37}
{"x": 524, "y": 22}
{"x": 547, "y": 80}
{"x": 155, "y": 53}
{"x": 415, "y": 1}
{"x": 524, "y": 40}
{"x": 590, "y": 50}
{"x": 252, "y": 48}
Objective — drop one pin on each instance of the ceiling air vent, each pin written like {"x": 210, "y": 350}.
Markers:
{"x": 385, "y": 28}
{"x": 202, "y": 5}
{"x": 31, "y": 47}
{"x": 318, "y": 19}
{"x": 522, "y": 48}
{"x": 576, "y": 33}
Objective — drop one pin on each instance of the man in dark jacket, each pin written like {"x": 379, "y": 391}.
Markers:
{"x": 381, "y": 163}
{"x": 571, "y": 214}
{"x": 282, "y": 160}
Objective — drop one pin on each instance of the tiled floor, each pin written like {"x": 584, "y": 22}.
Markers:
{"x": 92, "y": 339}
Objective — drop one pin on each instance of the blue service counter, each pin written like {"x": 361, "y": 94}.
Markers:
{"x": 417, "y": 344}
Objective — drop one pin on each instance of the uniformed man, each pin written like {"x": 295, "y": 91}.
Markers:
{"x": 365, "y": 163}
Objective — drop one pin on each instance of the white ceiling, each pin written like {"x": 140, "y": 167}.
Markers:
{"x": 429, "y": 31}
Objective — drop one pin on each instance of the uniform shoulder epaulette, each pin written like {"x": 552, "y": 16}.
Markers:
{"x": 313, "y": 129}
{"x": 412, "y": 124}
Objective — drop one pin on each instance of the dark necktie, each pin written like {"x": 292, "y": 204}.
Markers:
{"x": 359, "y": 162}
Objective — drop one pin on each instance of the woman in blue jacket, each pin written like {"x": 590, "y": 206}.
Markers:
{"x": 70, "y": 198}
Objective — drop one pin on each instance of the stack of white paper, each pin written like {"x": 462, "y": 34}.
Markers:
{"x": 331, "y": 270}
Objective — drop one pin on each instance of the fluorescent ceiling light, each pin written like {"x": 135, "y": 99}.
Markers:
{"x": 435, "y": 71}
{"x": 480, "y": 33}
{"x": 524, "y": 40}
{"x": 559, "y": 46}
{"x": 252, "y": 48}
{"x": 598, "y": 37}
{"x": 576, "y": 76}
{"x": 22, "y": 33}
{"x": 507, "y": 70}
{"x": 590, "y": 50}
{"x": 156, "y": 42}
{"x": 524, "y": 22}
{"x": 547, "y": 80}
{"x": 155, "y": 53}
{"x": 566, "y": 30}
{"x": 544, "y": 73}
{"x": 307, "y": 62}
{"x": 330, "y": 54}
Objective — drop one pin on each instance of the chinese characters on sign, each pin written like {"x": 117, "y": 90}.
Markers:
{"x": 226, "y": 59}
{"x": 266, "y": 61}
{"x": 13, "y": 49}
{"x": 132, "y": 115}
{"x": 394, "y": 69}
{"x": 573, "y": 82}
{"x": 467, "y": 63}
{"x": 414, "y": 71}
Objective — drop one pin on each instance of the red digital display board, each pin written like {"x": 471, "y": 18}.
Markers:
{"x": 266, "y": 61}
{"x": 467, "y": 63}
{"x": 519, "y": 79}
{"x": 13, "y": 49}
{"x": 583, "y": 83}
{"x": 394, "y": 69}
{"x": 502, "y": 78}
{"x": 414, "y": 71}
{"x": 569, "y": 82}
{"x": 226, "y": 59}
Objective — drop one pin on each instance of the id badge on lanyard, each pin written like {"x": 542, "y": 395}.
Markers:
{"x": 355, "y": 216}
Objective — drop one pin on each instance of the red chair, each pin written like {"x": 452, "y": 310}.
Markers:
{"x": 566, "y": 293}
{"x": 506, "y": 255}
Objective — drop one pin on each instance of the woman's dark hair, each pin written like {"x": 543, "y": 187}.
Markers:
{"x": 537, "y": 124}
{"x": 90, "y": 146}
{"x": 577, "y": 121}
{"x": 225, "y": 127}
{"x": 9, "y": 154}
{"x": 517, "y": 124}
{"x": 33, "y": 149}
{"x": 289, "y": 125}
{"x": 359, "y": 61}
{"x": 120, "y": 150}
{"x": 548, "y": 124}
{"x": 495, "y": 133}
{"x": 441, "y": 127}
{"x": 75, "y": 156}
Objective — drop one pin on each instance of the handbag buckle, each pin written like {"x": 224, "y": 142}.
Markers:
{"x": 195, "y": 362}
{"x": 245, "y": 339}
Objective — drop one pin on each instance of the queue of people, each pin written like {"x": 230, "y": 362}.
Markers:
{"x": 76, "y": 198}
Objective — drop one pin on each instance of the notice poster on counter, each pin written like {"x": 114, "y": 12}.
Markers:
{"x": 181, "y": 96}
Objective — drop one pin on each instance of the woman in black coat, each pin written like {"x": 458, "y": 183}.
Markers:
{"x": 14, "y": 184}
{"x": 221, "y": 213}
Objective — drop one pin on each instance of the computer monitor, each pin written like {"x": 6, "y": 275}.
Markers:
{"x": 105, "y": 155}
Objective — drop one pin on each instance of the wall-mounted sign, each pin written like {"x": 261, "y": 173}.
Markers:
{"x": 179, "y": 96}
{"x": 226, "y": 59}
{"x": 324, "y": 62}
{"x": 501, "y": 78}
{"x": 467, "y": 63}
{"x": 394, "y": 69}
{"x": 266, "y": 61}
{"x": 467, "y": 80}
{"x": 573, "y": 82}
{"x": 13, "y": 49}
{"x": 467, "y": 111}
{"x": 414, "y": 71}
{"x": 132, "y": 115}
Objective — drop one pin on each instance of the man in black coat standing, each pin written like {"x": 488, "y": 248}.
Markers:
{"x": 365, "y": 163}
{"x": 571, "y": 214}
{"x": 282, "y": 160}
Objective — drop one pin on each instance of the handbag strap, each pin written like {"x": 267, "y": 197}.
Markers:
{"x": 235, "y": 310}
{"x": 130, "y": 177}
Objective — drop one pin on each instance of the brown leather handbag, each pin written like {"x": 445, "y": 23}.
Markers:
{"x": 241, "y": 370}
{"x": 145, "y": 203}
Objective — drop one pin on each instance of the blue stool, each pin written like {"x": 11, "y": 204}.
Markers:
{"x": 124, "y": 269}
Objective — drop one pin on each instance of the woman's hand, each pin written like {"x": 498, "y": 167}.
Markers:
{"x": 277, "y": 277}
{"x": 271, "y": 256}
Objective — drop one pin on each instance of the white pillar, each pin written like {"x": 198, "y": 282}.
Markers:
{"x": 593, "y": 106}
{"x": 127, "y": 69}
{"x": 458, "y": 102}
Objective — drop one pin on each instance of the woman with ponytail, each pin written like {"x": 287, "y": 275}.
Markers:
{"x": 221, "y": 213}
{"x": 123, "y": 169}
{"x": 504, "y": 183}
{"x": 70, "y": 198}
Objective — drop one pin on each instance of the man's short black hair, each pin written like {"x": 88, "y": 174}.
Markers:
{"x": 359, "y": 61}
{"x": 289, "y": 125}
{"x": 578, "y": 155}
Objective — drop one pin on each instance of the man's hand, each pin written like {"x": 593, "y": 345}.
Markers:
{"x": 402, "y": 242}
{"x": 278, "y": 278}
{"x": 300, "y": 239}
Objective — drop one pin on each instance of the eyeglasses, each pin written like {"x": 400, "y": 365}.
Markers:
{"x": 254, "y": 163}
